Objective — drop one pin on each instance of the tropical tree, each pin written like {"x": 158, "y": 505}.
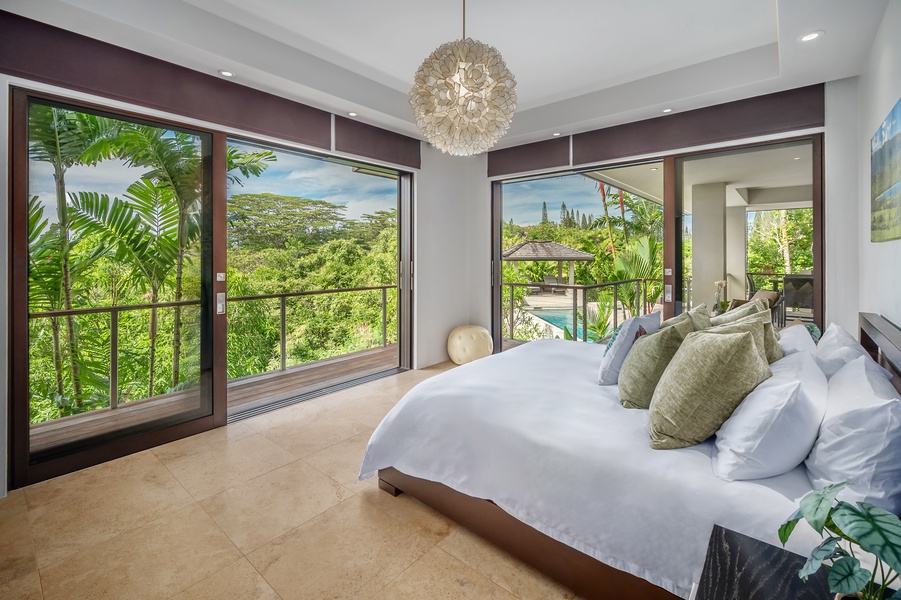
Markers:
{"x": 602, "y": 190}
{"x": 175, "y": 164}
{"x": 144, "y": 230}
{"x": 641, "y": 259}
{"x": 781, "y": 240}
{"x": 65, "y": 138}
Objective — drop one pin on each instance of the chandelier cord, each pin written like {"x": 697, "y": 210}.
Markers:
{"x": 464, "y": 19}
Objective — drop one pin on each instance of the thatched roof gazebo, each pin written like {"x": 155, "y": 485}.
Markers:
{"x": 547, "y": 251}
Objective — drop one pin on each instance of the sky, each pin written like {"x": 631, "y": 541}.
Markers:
{"x": 292, "y": 175}
{"x": 522, "y": 200}
{"x": 298, "y": 175}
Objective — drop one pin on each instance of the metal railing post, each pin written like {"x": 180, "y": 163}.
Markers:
{"x": 511, "y": 312}
{"x": 283, "y": 341}
{"x": 637, "y": 298}
{"x": 584, "y": 315}
{"x": 384, "y": 317}
{"x": 575, "y": 331}
{"x": 114, "y": 359}
{"x": 615, "y": 305}
{"x": 646, "y": 305}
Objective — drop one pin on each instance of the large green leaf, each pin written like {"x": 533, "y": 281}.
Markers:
{"x": 846, "y": 576}
{"x": 876, "y": 530}
{"x": 815, "y": 506}
{"x": 828, "y": 549}
{"x": 785, "y": 530}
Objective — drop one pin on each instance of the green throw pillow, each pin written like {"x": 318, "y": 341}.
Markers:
{"x": 699, "y": 318}
{"x": 646, "y": 362}
{"x": 706, "y": 380}
{"x": 770, "y": 338}
{"x": 749, "y": 308}
{"x": 755, "y": 328}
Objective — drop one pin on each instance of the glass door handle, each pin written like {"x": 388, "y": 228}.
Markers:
{"x": 220, "y": 303}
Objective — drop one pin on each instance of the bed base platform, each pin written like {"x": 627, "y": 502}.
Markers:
{"x": 583, "y": 574}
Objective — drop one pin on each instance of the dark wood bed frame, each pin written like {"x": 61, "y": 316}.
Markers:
{"x": 585, "y": 575}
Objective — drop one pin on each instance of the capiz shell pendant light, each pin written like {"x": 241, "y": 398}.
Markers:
{"x": 463, "y": 96}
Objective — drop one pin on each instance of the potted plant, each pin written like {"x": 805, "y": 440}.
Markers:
{"x": 852, "y": 530}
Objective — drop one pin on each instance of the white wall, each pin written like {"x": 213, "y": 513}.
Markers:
{"x": 708, "y": 238}
{"x": 879, "y": 90}
{"x": 841, "y": 269}
{"x": 736, "y": 252}
{"x": 451, "y": 251}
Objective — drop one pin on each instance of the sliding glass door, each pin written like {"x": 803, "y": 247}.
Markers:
{"x": 167, "y": 278}
{"x": 112, "y": 282}
{"x": 313, "y": 278}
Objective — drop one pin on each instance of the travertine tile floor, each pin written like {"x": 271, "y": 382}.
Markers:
{"x": 265, "y": 508}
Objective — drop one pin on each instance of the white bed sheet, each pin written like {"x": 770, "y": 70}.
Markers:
{"x": 531, "y": 430}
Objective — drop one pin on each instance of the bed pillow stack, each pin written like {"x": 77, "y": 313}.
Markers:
{"x": 775, "y": 426}
{"x": 796, "y": 339}
{"x": 709, "y": 376}
{"x": 621, "y": 344}
{"x": 698, "y": 316}
{"x": 645, "y": 364}
{"x": 837, "y": 348}
{"x": 860, "y": 437}
{"x": 750, "y": 308}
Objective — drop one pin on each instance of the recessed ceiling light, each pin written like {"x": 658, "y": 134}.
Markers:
{"x": 797, "y": 158}
{"x": 351, "y": 114}
{"x": 226, "y": 73}
{"x": 653, "y": 168}
{"x": 810, "y": 36}
{"x": 667, "y": 110}
{"x": 556, "y": 133}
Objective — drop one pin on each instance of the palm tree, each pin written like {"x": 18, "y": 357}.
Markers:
{"x": 175, "y": 165}
{"x": 174, "y": 161}
{"x": 143, "y": 230}
{"x": 642, "y": 259}
{"x": 64, "y": 139}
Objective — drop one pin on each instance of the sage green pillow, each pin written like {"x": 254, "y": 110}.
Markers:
{"x": 749, "y": 308}
{"x": 755, "y": 328}
{"x": 646, "y": 362}
{"x": 699, "y": 318}
{"x": 770, "y": 338}
{"x": 705, "y": 381}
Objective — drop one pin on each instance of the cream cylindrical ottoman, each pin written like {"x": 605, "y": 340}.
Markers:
{"x": 469, "y": 342}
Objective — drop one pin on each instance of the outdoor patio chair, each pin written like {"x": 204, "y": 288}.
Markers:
{"x": 550, "y": 285}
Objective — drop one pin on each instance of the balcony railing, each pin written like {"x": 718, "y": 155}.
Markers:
{"x": 115, "y": 311}
{"x": 583, "y": 291}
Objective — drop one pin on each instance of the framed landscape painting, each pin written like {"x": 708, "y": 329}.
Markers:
{"x": 885, "y": 179}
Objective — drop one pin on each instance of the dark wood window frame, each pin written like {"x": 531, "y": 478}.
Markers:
{"x": 22, "y": 471}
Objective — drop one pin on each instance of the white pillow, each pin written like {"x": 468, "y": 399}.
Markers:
{"x": 773, "y": 429}
{"x": 837, "y": 348}
{"x": 860, "y": 438}
{"x": 621, "y": 344}
{"x": 796, "y": 339}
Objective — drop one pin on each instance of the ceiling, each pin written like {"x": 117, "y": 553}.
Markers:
{"x": 579, "y": 64}
{"x": 766, "y": 178}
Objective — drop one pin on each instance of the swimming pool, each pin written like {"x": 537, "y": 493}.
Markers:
{"x": 558, "y": 317}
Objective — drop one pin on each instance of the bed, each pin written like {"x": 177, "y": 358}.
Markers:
{"x": 525, "y": 449}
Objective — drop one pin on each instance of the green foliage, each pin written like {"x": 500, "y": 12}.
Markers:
{"x": 865, "y": 527}
{"x": 780, "y": 241}
{"x": 624, "y": 245}
{"x": 143, "y": 248}
{"x": 641, "y": 259}
{"x": 262, "y": 221}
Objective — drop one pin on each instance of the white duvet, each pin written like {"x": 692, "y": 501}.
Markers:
{"x": 531, "y": 430}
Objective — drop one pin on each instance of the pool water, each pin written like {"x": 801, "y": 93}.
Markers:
{"x": 562, "y": 317}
